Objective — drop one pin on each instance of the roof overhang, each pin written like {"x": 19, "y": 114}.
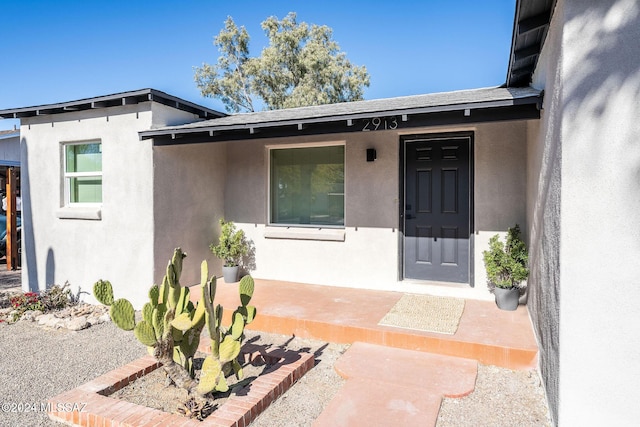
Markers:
{"x": 452, "y": 108}
{"x": 11, "y": 134}
{"x": 9, "y": 163}
{"x": 114, "y": 100}
{"x": 530, "y": 27}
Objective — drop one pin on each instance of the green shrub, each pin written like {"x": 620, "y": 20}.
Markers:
{"x": 231, "y": 246}
{"x": 506, "y": 264}
{"x": 25, "y": 302}
{"x": 57, "y": 297}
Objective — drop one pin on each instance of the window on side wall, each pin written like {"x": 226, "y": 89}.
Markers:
{"x": 307, "y": 186}
{"x": 83, "y": 173}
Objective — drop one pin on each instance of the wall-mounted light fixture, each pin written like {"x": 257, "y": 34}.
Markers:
{"x": 371, "y": 154}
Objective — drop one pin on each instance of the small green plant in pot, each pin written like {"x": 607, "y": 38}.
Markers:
{"x": 232, "y": 246}
{"x": 506, "y": 266}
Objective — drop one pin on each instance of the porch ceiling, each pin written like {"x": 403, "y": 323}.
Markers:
{"x": 449, "y": 108}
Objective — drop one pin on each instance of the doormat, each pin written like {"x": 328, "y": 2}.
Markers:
{"x": 425, "y": 313}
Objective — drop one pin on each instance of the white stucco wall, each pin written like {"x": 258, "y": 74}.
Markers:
{"x": 118, "y": 247}
{"x": 591, "y": 78}
{"x": 369, "y": 256}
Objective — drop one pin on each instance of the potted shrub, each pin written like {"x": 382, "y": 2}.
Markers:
{"x": 231, "y": 247}
{"x": 506, "y": 265}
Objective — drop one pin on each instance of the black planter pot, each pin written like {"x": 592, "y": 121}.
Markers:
{"x": 507, "y": 299}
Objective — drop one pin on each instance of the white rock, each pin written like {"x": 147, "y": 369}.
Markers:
{"x": 48, "y": 320}
{"x": 77, "y": 323}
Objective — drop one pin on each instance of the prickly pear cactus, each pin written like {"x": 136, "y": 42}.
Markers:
{"x": 225, "y": 343}
{"x": 103, "y": 291}
{"x": 171, "y": 326}
{"x": 145, "y": 334}
{"x": 122, "y": 314}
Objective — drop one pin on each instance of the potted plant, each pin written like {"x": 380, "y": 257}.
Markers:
{"x": 506, "y": 265}
{"x": 231, "y": 247}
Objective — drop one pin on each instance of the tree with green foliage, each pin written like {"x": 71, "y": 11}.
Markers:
{"x": 302, "y": 66}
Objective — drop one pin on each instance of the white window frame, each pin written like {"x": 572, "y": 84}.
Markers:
{"x": 273, "y": 233}
{"x": 66, "y": 176}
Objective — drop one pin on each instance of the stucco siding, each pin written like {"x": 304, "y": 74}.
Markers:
{"x": 370, "y": 255}
{"x": 163, "y": 115}
{"x": 544, "y": 154}
{"x": 188, "y": 192}
{"x": 600, "y": 248}
{"x": 584, "y": 200}
{"x": 118, "y": 247}
{"x": 499, "y": 187}
{"x": 371, "y": 235}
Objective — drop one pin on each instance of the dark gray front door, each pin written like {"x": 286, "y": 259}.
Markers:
{"x": 437, "y": 208}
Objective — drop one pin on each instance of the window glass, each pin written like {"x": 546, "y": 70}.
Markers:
{"x": 84, "y": 158}
{"x": 83, "y": 173}
{"x": 307, "y": 186}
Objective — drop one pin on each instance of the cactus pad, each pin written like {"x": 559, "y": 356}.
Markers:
{"x": 147, "y": 313}
{"x": 154, "y": 295}
{"x": 103, "y": 291}
{"x": 122, "y": 314}
{"x": 222, "y": 386}
{"x": 157, "y": 320}
{"x": 246, "y": 289}
{"x": 183, "y": 301}
{"x": 182, "y": 322}
{"x": 229, "y": 349}
{"x": 237, "y": 369}
{"x": 190, "y": 342}
{"x": 176, "y": 260}
{"x": 210, "y": 374}
{"x": 237, "y": 328}
{"x": 145, "y": 334}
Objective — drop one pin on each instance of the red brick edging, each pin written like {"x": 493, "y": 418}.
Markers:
{"x": 89, "y": 404}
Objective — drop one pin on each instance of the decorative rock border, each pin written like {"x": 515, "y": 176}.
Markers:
{"x": 89, "y": 405}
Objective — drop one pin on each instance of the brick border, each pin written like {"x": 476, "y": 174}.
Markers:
{"x": 90, "y": 406}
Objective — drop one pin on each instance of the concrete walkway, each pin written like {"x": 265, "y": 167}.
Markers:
{"x": 393, "y": 387}
{"x": 394, "y": 376}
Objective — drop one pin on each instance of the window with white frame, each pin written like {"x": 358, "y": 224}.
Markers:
{"x": 307, "y": 186}
{"x": 83, "y": 173}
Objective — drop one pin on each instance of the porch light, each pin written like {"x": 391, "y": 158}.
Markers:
{"x": 371, "y": 154}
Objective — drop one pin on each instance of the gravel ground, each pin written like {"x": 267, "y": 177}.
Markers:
{"x": 37, "y": 363}
{"x": 502, "y": 397}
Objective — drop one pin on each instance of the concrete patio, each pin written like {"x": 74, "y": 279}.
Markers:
{"x": 394, "y": 376}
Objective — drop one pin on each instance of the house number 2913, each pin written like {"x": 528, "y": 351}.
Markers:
{"x": 377, "y": 123}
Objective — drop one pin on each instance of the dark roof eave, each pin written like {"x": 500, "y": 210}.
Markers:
{"x": 530, "y": 27}
{"x": 251, "y": 126}
{"x": 113, "y": 100}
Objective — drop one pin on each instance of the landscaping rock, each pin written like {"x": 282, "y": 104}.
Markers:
{"x": 77, "y": 323}
{"x": 30, "y": 315}
{"x": 48, "y": 320}
{"x": 75, "y": 318}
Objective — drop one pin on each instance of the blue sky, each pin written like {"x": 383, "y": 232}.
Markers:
{"x": 63, "y": 50}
